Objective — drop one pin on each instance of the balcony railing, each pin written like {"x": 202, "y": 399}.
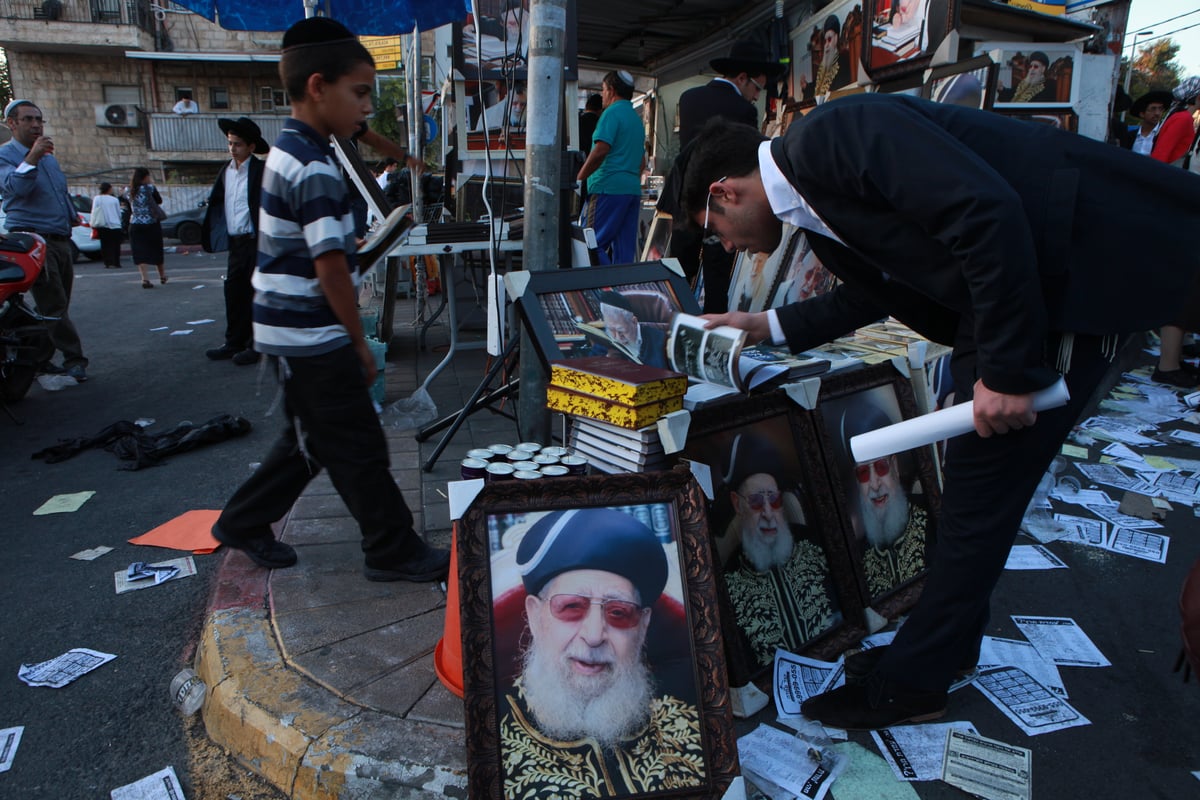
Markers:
{"x": 199, "y": 133}
{"x": 137, "y": 13}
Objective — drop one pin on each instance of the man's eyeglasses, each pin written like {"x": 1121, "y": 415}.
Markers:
{"x": 621, "y": 614}
{"x": 759, "y": 499}
{"x": 30, "y": 119}
{"x": 708, "y": 202}
{"x": 881, "y": 466}
{"x": 757, "y": 85}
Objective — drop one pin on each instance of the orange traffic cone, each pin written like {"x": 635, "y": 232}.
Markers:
{"x": 447, "y": 656}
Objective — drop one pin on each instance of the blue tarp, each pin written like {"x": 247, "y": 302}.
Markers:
{"x": 364, "y": 17}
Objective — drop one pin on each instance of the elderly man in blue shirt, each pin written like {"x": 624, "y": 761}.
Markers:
{"x": 36, "y": 200}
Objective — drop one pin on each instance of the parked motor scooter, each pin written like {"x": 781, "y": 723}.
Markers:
{"x": 24, "y": 342}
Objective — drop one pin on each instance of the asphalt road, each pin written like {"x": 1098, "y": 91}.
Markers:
{"x": 117, "y": 724}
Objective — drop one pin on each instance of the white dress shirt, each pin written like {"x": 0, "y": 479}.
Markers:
{"x": 790, "y": 207}
{"x": 237, "y": 198}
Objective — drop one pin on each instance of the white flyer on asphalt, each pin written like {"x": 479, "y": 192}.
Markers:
{"x": 1032, "y": 556}
{"x": 1120, "y": 520}
{"x": 1109, "y": 476}
{"x": 915, "y": 752}
{"x": 1140, "y": 544}
{"x": 1178, "y": 488}
{"x": 10, "y": 738}
{"x": 1084, "y": 497}
{"x": 798, "y": 678}
{"x": 162, "y": 785}
{"x": 185, "y": 565}
{"x": 1061, "y": 640}
{"x": 998, "y": 652}
{"x": 61, "y": 670}
{"x": 1032, "y": 707}
{"x": 1084, "y": 530}
{"x": 987, "y": 768}
{"x": 789, "y": 762}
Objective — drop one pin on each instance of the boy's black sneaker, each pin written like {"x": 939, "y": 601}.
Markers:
{"x": 266, "y": 551}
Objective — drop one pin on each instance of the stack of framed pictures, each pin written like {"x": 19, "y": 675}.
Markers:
{"x": 805, "y": 541}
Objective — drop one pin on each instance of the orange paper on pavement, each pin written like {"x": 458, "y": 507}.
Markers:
{"x": 189, "y": 531}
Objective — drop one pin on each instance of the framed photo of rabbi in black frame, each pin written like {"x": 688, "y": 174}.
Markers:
{"x": 888, "y": 507}
{"x": 786, "y": 578}
{"x": 592, "y": 654}
{"x": 905, "y": 34}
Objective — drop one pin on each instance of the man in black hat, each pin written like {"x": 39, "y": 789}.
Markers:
{"x": 231, "y": 223}
{"x": 742, "y": 76}
{"x": 584, "y": 715}
{"x": 778, "y": 578}
{"x": 1149, "y": 108}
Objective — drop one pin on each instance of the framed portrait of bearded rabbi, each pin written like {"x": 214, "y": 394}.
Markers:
{"x": 888, "y": 506}
{"x": 592, "y": 652}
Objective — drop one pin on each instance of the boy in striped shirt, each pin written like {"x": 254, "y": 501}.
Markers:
{"x": 306, "y": 319}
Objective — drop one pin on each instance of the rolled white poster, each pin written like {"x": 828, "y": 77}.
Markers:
{"x": 938, "y": 425}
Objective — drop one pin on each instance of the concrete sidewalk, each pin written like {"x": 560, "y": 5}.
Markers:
{"x": 324, "y": 683}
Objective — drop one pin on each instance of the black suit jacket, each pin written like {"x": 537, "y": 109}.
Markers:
{"x": 715, "y": 99}
{"x": 985, "y": 232}
{"x": 214, "y": 234}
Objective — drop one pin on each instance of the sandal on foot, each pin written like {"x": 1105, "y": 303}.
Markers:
{"x": 147, "y": 285}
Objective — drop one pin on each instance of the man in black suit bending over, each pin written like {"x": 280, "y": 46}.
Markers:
{"x": 996, "y": 236}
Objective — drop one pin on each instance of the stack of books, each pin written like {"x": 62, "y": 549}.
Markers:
{"x": 613, "y": 405}
{"x": 609, "y": 448}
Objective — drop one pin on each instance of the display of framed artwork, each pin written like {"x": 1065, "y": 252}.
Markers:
{"x": 827, "y": 51}
{"x": 1032, "y": 75}
{"x": 970, "y": 83}
{"x": 756, "y": 275}
{"x": 802, "y": 277}
{"x": 888, "y": 507}
{"x": 495, "y": 45}
{"x": 786, "y": 577}
{"x": 904, "y": 34}
{"x": 628, "y": 555}
{"x": 561, "y": 308}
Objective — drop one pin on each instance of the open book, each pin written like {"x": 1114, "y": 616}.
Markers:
{"x": 385, "y": 236}
{"x": 721, "y": 364}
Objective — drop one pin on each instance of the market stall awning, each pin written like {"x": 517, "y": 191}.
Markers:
{"x": 364, "y": 17}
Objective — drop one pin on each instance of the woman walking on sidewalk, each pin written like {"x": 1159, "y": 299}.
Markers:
{"x": 145, "y": 230}
{"x": 106, "y": 222}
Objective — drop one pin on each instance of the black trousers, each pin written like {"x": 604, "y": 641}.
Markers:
{"x": 326, "y": 398}
{"x": 239, "y": 293}
{"x": 987, "y": 485}
{"x": 110, "y": 246}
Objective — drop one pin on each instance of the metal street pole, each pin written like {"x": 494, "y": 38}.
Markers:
{"x": 1132, "y": 56}
{"x": 543, "y": 185}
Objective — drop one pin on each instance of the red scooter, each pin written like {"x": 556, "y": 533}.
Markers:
{"x": 24, "y": 342}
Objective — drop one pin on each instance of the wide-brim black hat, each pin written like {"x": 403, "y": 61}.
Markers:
{"x": 1139, "y": 106}
{"x": 245, "y": 129}
{"x": 750, "y": 57}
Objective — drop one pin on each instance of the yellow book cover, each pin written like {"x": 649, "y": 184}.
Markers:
{"x": 617, "y": 380}
{"x": 584, "y": 405}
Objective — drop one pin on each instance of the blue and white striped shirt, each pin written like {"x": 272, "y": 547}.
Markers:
{"x": 305, "y": 213}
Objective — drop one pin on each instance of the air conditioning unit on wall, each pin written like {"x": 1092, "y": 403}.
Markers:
{"x": 117, "y": 115}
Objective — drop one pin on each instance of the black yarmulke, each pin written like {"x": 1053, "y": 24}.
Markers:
{"x": 315, "y": 30}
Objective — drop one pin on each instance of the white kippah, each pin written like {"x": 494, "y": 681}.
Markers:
{"x": 625, "y": 77}
{"x": 15, "y": 104}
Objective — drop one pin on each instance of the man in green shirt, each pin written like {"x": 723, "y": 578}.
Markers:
{"x": 613, "y": 171}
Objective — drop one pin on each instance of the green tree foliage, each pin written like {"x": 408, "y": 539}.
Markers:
{"x": 1155, "y": 68}
{"x": 6, "y": 90}
{"x": 391, "y": 94}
